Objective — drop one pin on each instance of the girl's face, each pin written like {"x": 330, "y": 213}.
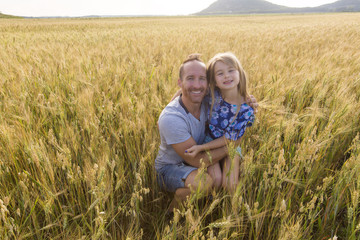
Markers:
{"x": 226, "y": 77}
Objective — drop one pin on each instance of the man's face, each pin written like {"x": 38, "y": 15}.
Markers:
{"x": 193, "y": 83}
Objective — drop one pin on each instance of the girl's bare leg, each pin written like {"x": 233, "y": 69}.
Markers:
{"x": 215, "y": 172}
{"x": 230, "y": 177}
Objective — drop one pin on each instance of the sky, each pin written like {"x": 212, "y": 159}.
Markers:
{"x": 38, "y": 8}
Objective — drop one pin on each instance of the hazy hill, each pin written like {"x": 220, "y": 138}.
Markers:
{"x": 261, "y": 6}
{"x": 242, "y": 6}
{"x": 341, "y": 6}
{"x": 7, "y": 16}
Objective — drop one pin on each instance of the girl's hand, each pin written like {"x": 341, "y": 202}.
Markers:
{"x": 251, "y": 100}
{"x": 193, "y": 151}
{"x": 176, "y": 94}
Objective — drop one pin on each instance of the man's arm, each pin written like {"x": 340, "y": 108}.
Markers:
{"x": 216, "y": 154}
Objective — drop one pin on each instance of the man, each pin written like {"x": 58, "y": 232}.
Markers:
{"x": 182, "y": 125}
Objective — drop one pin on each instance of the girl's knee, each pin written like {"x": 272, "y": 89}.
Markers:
{"x": 230, "y": 185}
{"x": 217, "y": 181}
{"x": 209, "y": 182}
{"x": 203, "y": 183}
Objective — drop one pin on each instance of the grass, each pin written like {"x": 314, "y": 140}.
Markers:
{"x": 79, "y": 103}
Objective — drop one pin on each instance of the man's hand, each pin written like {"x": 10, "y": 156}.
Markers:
{"x": 251, "y": 100}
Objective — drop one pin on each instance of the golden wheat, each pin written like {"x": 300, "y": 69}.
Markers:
{"x": 79, "y": 102}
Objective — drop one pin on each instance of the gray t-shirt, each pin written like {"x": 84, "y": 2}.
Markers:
{"x": 177, "y": 125}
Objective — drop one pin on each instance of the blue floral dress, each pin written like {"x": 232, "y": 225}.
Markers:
{"x": 222, "y": 119}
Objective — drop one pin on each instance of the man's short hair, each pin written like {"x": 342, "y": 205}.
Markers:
{"x": 191, "y": 57}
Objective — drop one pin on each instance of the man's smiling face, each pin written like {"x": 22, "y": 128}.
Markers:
{"x": 193, "y": 83}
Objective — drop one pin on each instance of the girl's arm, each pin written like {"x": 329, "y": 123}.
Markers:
{"x": 217, "y": 143}
{"x": 251, "y": 100}
{"x": 176, "y": 94}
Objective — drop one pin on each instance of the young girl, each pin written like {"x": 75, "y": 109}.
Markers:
{"x": 228, "y": 117}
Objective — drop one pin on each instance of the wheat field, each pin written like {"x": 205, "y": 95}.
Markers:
{"x": 79, "y": 103}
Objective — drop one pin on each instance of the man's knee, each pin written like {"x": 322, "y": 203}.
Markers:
{"x": 182, "y": 193}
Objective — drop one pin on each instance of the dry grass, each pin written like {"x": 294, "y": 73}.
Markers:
{"x": 79, "y": 102}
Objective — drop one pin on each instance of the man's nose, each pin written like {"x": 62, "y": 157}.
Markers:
{"x": 197, "y": 83}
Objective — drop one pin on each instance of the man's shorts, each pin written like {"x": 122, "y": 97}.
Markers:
{"x": 172, "y": 176}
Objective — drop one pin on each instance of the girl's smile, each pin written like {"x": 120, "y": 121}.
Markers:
{"x": 226, "y": 77}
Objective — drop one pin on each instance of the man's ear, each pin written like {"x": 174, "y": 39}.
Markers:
{"x": 179, "y": 82}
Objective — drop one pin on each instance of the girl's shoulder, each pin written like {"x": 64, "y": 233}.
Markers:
{"x": 246, "y": 108}
{"x": 245, "y": 105}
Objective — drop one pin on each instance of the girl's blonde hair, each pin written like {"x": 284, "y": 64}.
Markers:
{"x": 229, "y": 59}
